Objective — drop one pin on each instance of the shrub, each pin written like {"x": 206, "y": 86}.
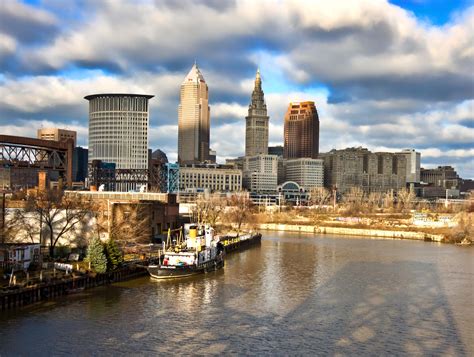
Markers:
{"x": 96, "y": 256}
{"x": 113, "y": 254}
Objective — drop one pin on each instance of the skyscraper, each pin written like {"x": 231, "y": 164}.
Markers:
{"x": 118, "y": 131}
{"x": 301, "y": 138}
{"x": 256, "y": 123}
{"x": 193, "y": 119}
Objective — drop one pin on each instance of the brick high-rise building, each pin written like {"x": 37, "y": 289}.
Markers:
{"x": 301, "y": 131}
{"x": 256, "y": 123}
{"x": 193, "y": 119}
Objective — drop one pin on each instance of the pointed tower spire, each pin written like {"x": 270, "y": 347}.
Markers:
{"x": 256, "y": 137}
{"x": 258, "y": 80}
{"x": 194, "y": 75}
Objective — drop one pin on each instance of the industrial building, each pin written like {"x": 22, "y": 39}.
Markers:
{"x": 358, "y": 167}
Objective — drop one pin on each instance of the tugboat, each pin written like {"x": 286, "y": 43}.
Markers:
{"x": 199, "y": 252}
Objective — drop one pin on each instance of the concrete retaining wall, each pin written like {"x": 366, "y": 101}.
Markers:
{"x": 351, "y": 231}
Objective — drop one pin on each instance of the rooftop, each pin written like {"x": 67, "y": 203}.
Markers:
{"x": 194, "y": 75}
{"x": 93, "y": 96}
{"x": 129, "y": 196}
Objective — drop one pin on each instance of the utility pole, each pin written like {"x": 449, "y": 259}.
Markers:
{"x": 3, "y": 217}
{"x": 279, "y": 202}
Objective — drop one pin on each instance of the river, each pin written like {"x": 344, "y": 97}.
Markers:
{"x": 294, "y": 294}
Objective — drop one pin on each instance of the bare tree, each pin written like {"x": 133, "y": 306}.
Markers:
{"x": 215, "y": 208}
{"x": 58, "y": 212}
{"x": 129, "y": 224}
{"x": 469, "y": 205}
{"x": 320, "y": 196}
{"x": 354, "y": 199}
{"x": 240, "y": 209}
{"x": 388, "y": 199}
{"x": 405, "y": 199}
{"x": 374, "y": 200}
{"x": 21, "y": 224}
{"x": 208, "y": 209}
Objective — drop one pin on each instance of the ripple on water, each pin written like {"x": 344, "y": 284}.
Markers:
{"x": 293, "y": 295}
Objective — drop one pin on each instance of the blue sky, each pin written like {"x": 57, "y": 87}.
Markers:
{"x": 437, "y": 12}
{"x": 384, "y": 75}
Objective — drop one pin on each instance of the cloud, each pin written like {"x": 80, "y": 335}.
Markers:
{"x": 379, "y": 75}
{"x": 29, "y": 128}
{"x": 233, "y": 111}
{"x": 26, "y": 23}
{"x": 7, "y": 46}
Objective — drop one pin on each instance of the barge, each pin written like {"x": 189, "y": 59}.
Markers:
{"x": 240, "y": 242}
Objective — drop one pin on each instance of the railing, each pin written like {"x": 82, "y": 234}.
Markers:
{"x": 7, "y": 266}
{"x": 10, "y": 299}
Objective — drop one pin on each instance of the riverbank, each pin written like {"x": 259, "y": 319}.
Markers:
{"x": 389, "y": 234}
{"x": 22, "y": 296}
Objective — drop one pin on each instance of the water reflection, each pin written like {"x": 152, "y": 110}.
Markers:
{"x": 293, "y": 295}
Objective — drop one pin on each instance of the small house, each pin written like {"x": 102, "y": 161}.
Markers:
{"x": 19, "y": 255}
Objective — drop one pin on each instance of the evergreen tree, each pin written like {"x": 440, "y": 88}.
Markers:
{"x": 114, "y": 255}
{"x": 96, "y": 256}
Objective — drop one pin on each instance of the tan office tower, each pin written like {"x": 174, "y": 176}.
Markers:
{"x": 193, "y": 119}
{"x": 56, "y": 134}
{"x": 301, "y": 131}
{"x": 256, "y": 123}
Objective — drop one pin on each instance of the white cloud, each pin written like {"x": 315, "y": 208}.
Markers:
{"x": 7, "y": 45}
{"x": 26, "y": 13}
{"x": 226, "y": 110}
{"x": 28, "y": 128}
{"x": 392, "y": 79}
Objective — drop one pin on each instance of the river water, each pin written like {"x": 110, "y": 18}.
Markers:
{"x": 292, "y": 295}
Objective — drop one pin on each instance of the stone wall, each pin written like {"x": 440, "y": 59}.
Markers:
{"x": 376, "y": 233}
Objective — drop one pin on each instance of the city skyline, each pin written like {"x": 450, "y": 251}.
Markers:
{"x": 385, "y": 77}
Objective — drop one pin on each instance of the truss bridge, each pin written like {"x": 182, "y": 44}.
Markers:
{"x": 22, "y": 152}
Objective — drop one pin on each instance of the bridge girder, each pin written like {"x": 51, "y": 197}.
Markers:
{"x": 22, "y": 152}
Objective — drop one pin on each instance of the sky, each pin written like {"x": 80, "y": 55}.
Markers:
{"x": 384, "y": 75}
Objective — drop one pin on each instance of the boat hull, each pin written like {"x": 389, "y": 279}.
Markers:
{"x": 174, "y": 272}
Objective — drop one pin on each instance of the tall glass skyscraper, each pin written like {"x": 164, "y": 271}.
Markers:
{"x": 193, "y": 119}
